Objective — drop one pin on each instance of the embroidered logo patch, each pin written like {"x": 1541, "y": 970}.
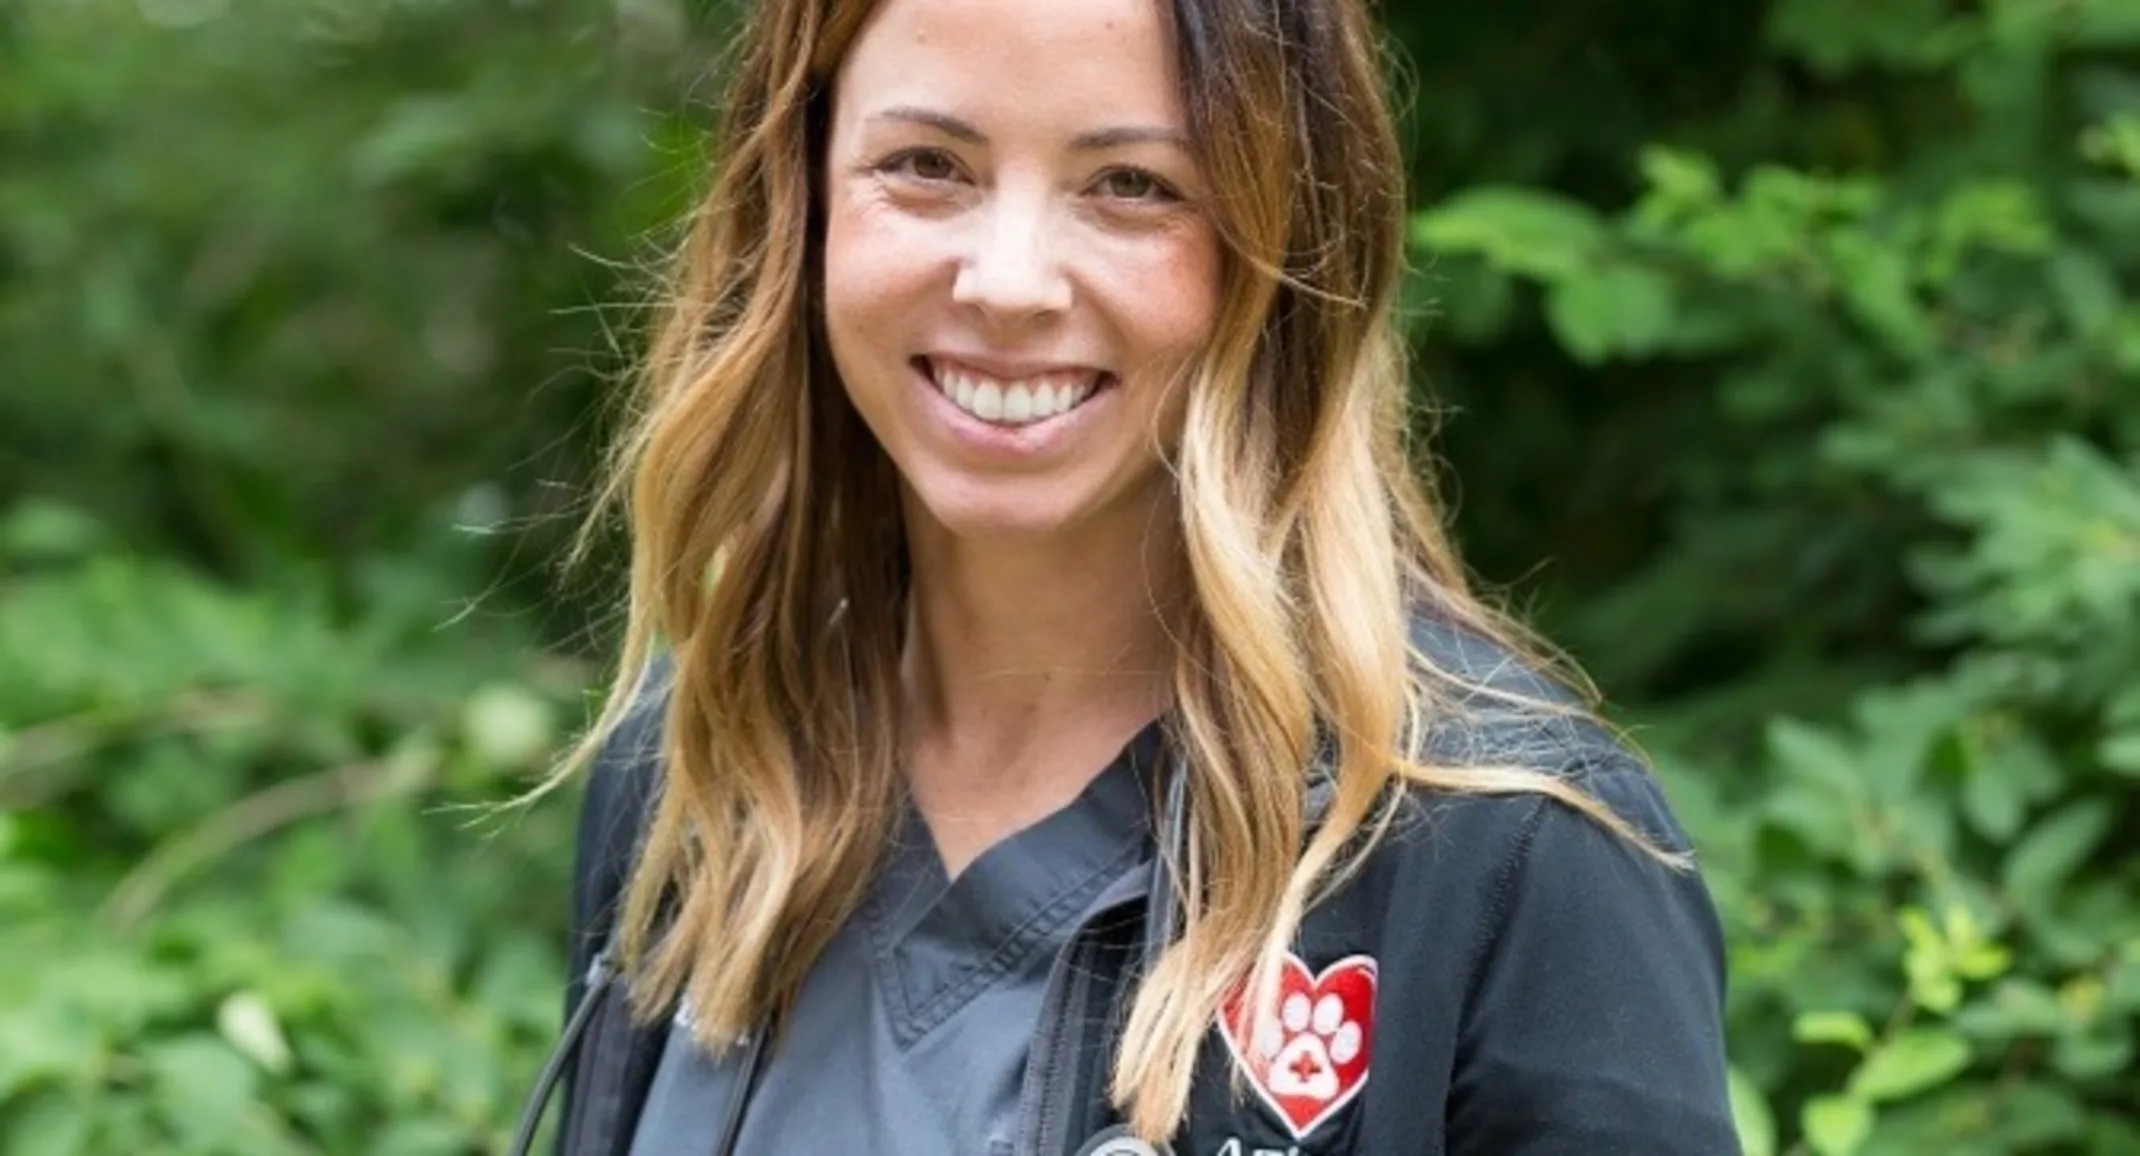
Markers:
{"x": 1308, "y": 1057}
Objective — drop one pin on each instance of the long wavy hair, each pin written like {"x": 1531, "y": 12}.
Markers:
{"x": 767, "y": 545}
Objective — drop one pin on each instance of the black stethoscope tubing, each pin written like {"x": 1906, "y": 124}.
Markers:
{"x": 568, "y": 1046}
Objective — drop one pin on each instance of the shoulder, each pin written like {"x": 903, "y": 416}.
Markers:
{"x": 1470, "y": 840}
{"x": 1492, "y": 705}
{"x": 623, "y": 779}
{"x": 626, "y": 770}
{"x": 1536, "y": 955}
{"x": 1493, "y": 709}
{"x": 1487, "y": 847}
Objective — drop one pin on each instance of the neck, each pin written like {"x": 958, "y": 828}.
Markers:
{"x": 1028, "y": 665}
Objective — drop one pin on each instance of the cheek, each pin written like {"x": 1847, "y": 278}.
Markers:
{"x": 1181, "y": 317}
{"x": 874, "y": 267}
{"x": 1168, "y": 296}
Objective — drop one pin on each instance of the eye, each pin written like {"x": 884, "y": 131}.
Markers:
{"x": 1128, "y": 184}
{"x": 933, "y": 166}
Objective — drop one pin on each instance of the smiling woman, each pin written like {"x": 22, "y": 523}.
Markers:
{"x": 1050, "y": 708}
{"x": 1014, "y": 288}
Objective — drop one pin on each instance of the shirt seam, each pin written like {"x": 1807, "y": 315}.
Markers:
{"x": 914, "y": 1022}
{"x": 1506, "y": 876}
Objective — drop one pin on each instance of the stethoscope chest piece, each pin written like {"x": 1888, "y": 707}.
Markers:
{"x": 1120, "y": 1141}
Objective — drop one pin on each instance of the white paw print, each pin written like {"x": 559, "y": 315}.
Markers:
{"x": 1306, "y": 1043}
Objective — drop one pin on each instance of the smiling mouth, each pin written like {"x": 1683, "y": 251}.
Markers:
{"x": 1014, "y": 402}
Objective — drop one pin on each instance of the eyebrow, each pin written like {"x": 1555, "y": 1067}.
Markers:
{"x": 1093, "y": 141}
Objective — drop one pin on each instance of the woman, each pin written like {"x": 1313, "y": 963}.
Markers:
{"x": 1072, "y": 731}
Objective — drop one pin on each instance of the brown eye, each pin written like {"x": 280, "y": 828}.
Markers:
{"x": 924, "y": 164}
{"x": 1134, "y": 185}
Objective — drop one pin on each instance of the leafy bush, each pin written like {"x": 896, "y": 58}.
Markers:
{"x": 299, "y": 368}
{"x": 254, "y": 920}
{"x": 1915, "y": 455}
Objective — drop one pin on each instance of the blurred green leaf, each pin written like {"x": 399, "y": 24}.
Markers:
{"x": 1750, "y": 1114}
{"x": 1909, "y": 1063}
{"x": 1836, "y": 1125}
{"x": 1521, "y": 230}
{"x": 2055, "y": 848}
{"x": 248, "y": 1024}
{"x": 1611, "y": 311}
{"x": 508, "y": 726}
{"x": 1846, "y": 1028}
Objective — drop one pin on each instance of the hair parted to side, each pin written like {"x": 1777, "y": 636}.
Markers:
{"x": 767, "y": 547}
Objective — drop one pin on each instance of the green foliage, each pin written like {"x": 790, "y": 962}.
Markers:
{"x": 1926, "y": 364}
{"x": 298, "y": 369}
{"x": 286, "y": 278}
{"x": 231, "y": 832}
{"x": 1802, "y": 337}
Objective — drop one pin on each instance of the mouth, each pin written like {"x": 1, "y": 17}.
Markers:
{"x": 1013, "y": 402}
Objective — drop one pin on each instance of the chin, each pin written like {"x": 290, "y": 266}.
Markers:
{"x": 999, "y": 512}
{"x": 999, "y": 525}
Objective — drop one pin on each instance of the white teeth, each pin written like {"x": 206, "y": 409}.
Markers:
{"x": 1013, "y": 402}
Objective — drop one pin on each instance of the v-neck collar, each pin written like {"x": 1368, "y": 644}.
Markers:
{"x": 936, "y": 942}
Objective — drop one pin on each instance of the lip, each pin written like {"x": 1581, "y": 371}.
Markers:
{"x": 982, "y": 439}
{"x": 1009, "y": 370}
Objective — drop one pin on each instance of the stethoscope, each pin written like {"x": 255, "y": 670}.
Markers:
{"x": 599, "y": 977}
{"x": 1159, "y": 929}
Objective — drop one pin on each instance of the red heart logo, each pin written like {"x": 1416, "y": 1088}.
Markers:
{"x": 1307, "y": 1057}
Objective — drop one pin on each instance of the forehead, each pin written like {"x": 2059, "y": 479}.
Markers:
{"x": 1029, "y": 60}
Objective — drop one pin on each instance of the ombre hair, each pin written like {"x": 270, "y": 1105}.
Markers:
{"x": 768, "y": 550}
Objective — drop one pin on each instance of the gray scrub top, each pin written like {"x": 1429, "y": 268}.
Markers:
{"x": 910, "y": 1035}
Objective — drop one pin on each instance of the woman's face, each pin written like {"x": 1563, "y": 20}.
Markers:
{"x": 1018, "y": 267}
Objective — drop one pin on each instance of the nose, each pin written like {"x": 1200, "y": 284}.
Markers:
{"x": 1013, "y": 270}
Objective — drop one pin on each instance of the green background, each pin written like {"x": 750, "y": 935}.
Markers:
{"x": 1788, "y": 362}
